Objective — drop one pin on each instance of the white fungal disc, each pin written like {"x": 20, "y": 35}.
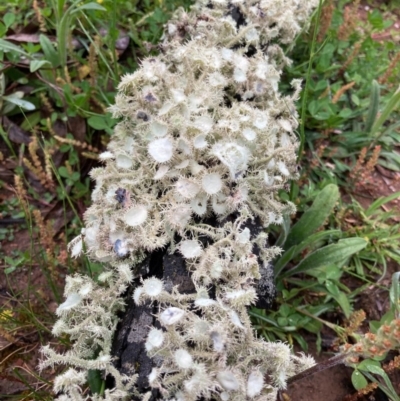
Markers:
{"x": 199, "y": 204}
{"x": 155, "y": 339}
{"x": 161, "y": 172}
{"x": 136, "y": 216}
{"x": 171, "y": 315}
{"x": 188, "y": 189}
{"x": 190, "y": 249}
{"x": 72, "y": 300}
{"x": 212, "y": 183}
{"x": 183, "y": 359}
{"x": 152, "y": 287}
{"x": 124, "y": 161}
{"x": 249, "y": 134}
{"x": 200, "y": 141}
{"x": 158, "y": 129}
{"x": 161, "y": 150}
{"x": 234, "y": 156}
{"x": 204, "y": 123}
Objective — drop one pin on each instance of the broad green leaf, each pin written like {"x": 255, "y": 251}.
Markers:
{"x": 358, "y": 380}
{"x": 37, "y": 64}
{"x": 329, "y": 255}
{"x": 373, "y": 106}
{"x": 367, "y": 363}
{"x": 30, "y": 120}
{"x": 49, "y": 51}
{"x": 294, "y": 251}
{"x": 314, "y": 217}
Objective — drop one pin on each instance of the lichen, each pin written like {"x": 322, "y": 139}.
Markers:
{"x": 204, "y": 132}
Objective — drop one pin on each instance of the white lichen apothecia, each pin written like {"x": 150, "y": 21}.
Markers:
{"x": 204, "y": 132}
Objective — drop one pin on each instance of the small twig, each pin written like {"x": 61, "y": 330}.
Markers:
{"x": 336, "y": 360}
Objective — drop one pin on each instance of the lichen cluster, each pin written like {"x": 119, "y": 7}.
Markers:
{"x": 204, "y": 132}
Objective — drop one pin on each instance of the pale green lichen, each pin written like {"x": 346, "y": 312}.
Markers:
{"x": 204, "y": 132}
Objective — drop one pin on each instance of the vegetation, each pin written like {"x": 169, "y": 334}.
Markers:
{"x": 59, "y": 67}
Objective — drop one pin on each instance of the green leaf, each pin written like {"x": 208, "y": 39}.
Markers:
{"x": 358, "y": 380}
{"x": 9, "y": 270}
{"x": 375, "y": 19}
{"x": 259, "y": 314}
{"x": 315, "y": 216}
{"x": 9, "y": 19}
{"x": 321, "y": 85}
{"x": 63, "y": 172}
{"x": 37, "y": 64}
{"x": 90, "y": 6}
{"x": 390, "y": 165}
{"x": 95, "y": 381}
{"x": 98, "y": 123}
{"x": 376, "y": 370}
{"x": 49, "y": 51}
{"x": 313, "y": 326}
{"x": 380, "y": 202}
{"x": 373, "y": 106}
{"x": 7, "y": 46}
{"x": 366, "y": 364}
{"x": 328, "y": 255}
{"x": 284, "y": 260}
{"x": 345, "y": 113}
{"x": 344, "y": 303}
{"x": 302, "y": 342}
{"x": 285, "y": 310}
{"x": 313, "y": 107}
{"x": 395, "y": 292}
{"x": 295, "y": 250}
{"x": 332, "y": 288}
{"x": 15, "y": 99}
{"x": 3, "y": 29}
{"x": 390, "y": 106}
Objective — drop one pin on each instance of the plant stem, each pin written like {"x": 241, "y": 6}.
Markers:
{"x": 308, "y": 78}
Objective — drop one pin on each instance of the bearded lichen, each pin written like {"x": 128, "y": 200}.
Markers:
{"x": 204, "y": 132}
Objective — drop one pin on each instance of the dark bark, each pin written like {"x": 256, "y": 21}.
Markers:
{"x": 136, "y": 321}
